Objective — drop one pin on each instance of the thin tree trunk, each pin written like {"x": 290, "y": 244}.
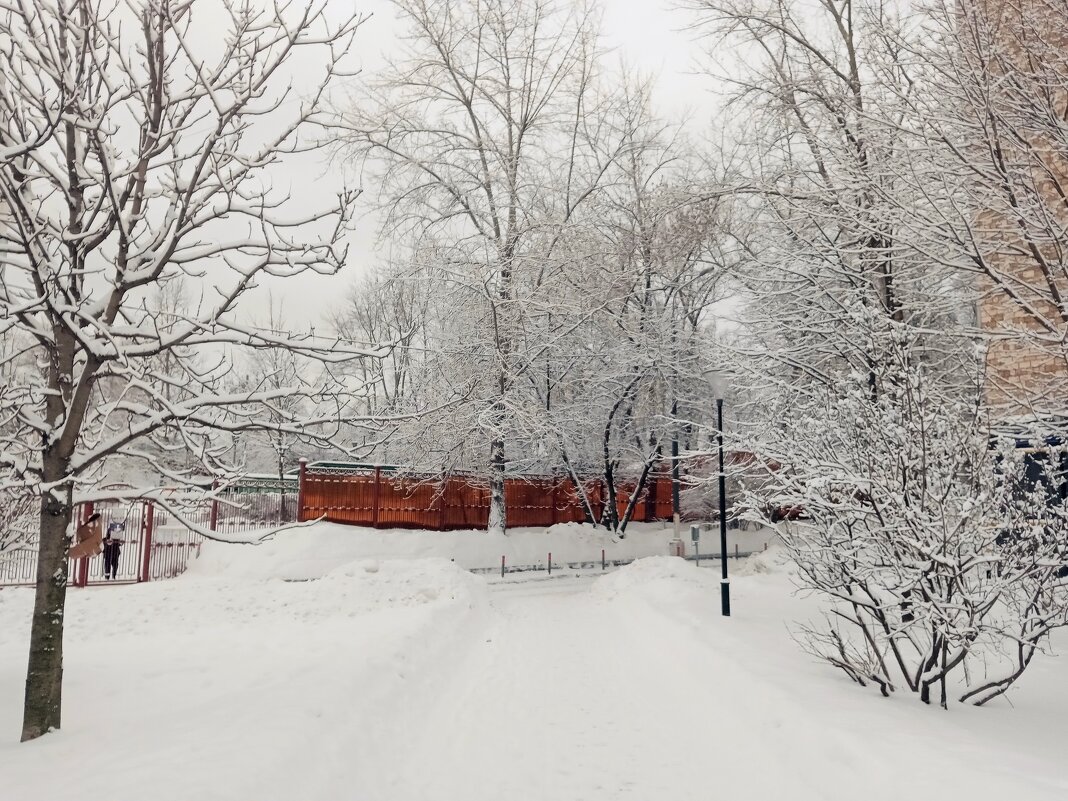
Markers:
{"x": 632, "y": 504}
{"x": 498, "y": 514}
{"x": 44, "y": 675}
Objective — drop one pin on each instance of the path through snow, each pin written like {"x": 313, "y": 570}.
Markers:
{"x": 566, "y": 695}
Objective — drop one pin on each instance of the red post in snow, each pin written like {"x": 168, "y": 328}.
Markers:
{"x": 376, "y": 503}
{"x": 213, "y": 522}
{"x": 550, "y": 563}
{"x": 146, "y": 553}
{"x": 602, "y": 558}
{"x": 300, "y": 490}
{"x": 502, "y": 565}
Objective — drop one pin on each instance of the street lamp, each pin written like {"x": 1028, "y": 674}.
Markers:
{"x": 725, "y": 583}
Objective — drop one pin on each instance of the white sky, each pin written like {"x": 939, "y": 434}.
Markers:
{"x": 647, "y": 35}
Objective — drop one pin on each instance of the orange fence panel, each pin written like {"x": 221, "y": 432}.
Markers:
{"x": 375, "y": 498}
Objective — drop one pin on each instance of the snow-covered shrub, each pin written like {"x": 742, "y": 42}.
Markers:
{"x": 943, "y": 565}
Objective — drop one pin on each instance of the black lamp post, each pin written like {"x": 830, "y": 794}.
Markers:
{"x": 725, "y": 583}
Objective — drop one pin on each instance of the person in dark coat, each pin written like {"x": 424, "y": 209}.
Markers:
{"x": 112, "y": 549}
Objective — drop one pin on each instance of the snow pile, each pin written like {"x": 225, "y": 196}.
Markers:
{"x": 656, "y": 577}
{"x": 248, "y": 682}
{"x": 587, "y": 534}
{"x": 191, "y": 606}
{"x": 357, "y": 588}
{"x": 313, "y": 551}
{"x": 774, "y": 560}
{"x": 392, "y": 583}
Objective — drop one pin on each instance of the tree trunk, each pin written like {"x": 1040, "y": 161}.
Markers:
{"x": 44, "y": 675}
{"x": 498, "y": 514}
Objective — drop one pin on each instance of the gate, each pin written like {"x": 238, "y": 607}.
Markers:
{"x": 154, "y": 546}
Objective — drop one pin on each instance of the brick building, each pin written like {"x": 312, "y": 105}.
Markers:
{"x": 1016, "y": 94}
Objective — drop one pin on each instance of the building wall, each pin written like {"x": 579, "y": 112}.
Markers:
{"x": 1027, "y": 368}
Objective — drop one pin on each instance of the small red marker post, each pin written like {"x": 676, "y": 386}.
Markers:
{"x": 602, "y": 558}
{"x": 550, "y": 563}
{"x": 502, "y": 565}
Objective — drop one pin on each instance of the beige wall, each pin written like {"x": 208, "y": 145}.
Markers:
{"x": 1027, "y": 369}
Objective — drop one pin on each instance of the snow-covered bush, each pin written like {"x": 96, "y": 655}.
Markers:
{"x": 943, "y": 565}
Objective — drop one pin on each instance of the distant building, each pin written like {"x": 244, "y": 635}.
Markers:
{"x": 1025, "y": 228}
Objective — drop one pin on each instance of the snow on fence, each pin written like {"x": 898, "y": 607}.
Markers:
{"x": 156, "y": 544}
{"x": 381, "y": 498}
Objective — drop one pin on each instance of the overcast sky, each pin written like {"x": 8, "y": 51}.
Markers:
{"x": 647, "y": 35}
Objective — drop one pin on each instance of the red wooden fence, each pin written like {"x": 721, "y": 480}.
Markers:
{"x": 379, "y": 499}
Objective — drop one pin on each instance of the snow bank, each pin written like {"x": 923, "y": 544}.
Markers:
{"x": 774, "y": 560}
{"x": 375, "y": 584}
{"x": 241, "y": 682}
{"x": 656, "y": 577}
{"x": 356, "y": 588}
{"x": 314, "y": 551}
{"x": 191, "y": 606}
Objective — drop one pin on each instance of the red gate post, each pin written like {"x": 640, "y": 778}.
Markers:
{"x": 300, "y": 489}
{"x": 375, "y": 501}
{"x": 146, "y": 555}
{"x": 213, "y": 522}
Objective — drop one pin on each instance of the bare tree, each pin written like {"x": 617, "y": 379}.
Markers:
{"x": 630, "y": 382}
{"x": 864, "y": 369}
{"x": 135, "y": 146}
{"x": 989, "y": 135}
{"x": 491, "y": 136}
{"x": 394, "y": 305}
{"x": 276, "y": 371}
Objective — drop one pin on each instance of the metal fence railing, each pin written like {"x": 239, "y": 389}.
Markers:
{"x": 156, "y": 542}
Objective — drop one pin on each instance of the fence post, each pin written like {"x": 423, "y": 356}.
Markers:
{"x": 213, "y": 522}
{"x": 146, "y": 556}
{"x": 602, "y": 558}
{"x": 550, "y": 563}
{"x": 300, "y": 489}
{"x": 502, "y": 565}
{"x": 376, "y": 502}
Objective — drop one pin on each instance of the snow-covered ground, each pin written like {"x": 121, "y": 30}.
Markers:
{"x": 303, "y": 552}
{"x": 380, "y": 679}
